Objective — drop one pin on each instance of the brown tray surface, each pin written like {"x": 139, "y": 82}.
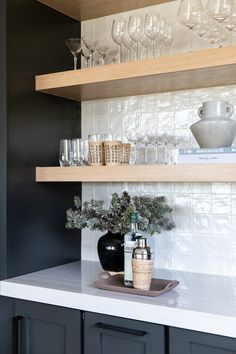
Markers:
{"x": 115, "y": 283}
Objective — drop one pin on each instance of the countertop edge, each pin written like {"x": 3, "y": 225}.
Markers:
{"x": 181, "y": 318}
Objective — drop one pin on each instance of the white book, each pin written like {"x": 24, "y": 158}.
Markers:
{"x": 210, "y": 151}
{"x": 207, "y": 158}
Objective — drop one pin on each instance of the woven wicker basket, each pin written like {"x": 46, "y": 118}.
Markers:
{"x": 96, "y": 155}
{"x": 113, "y": 153}
{"x": 125, "y": 154}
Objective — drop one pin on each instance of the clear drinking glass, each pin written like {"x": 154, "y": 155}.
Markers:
{"x": 76, "y": 152}
{"x": 216, "y": 33}
{"x": 219, "y": 9}
{"x": 75, "y": 47}
{"x": 65, "y": 153}
{"x": 168, "y": 36}
{"x": 90, "y": 44}
{"x": 152, "y": 28}
{"x": 119, "y": 29}
{"x": 102, "y": 48}
{"x": 84, "y": 147}
{"x": 113, "y": 54}
{"x": 188, "y": 15}
{"x": 136, "y": 31}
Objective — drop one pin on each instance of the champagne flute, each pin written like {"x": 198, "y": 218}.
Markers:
{"x": 136, "y": 31}
{"x": 75, "y": 47}
{"x": 188, "y": 15}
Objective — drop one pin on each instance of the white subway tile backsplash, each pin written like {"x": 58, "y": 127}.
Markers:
{"x": 205, "y": 213}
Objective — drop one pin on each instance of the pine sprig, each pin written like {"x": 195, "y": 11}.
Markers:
{"x": 154, "y": 214}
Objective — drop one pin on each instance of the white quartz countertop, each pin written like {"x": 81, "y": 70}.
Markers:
{"x": 201, "y": 302}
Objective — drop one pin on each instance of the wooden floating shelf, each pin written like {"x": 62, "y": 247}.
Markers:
{"x": 139, "y": 173}
{"x": 208, "y": 68}
{"x": 88, "y": 9}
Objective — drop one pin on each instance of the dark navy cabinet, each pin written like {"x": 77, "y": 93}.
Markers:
{"x": 190, "y": 342}
{"x": 113, "y": 335}
{"x": 45, "y": 329}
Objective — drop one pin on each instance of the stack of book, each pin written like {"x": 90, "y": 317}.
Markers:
{"x": 212, "y": 155}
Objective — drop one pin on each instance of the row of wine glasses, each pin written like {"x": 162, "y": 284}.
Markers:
{"x": 142, "y": 33}
{"x": 94, "y": 52}
{"x": 130, "y": 39}
{"x": 166, "y": 145}
{"x": 213, "y": 23}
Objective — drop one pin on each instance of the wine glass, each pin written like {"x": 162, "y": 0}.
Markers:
{"x": 219, "y": 9}
{"x": 216, "y": 33}
{"x": 152, "y": 28}
{"x": 87, "y": 55}
{"x": 113, "y": 54}
{"x": 136, "y": 31}
{"x": 188, "y": 15}
{"x": 119, "y": 28}
{"x": 128, "y": 43}
{"x": 161, "y": 35}
{"x": 102, "y": 48}
{"x": 90, "y": 45}
{"x": 75, "y": 47}
{"x": 168, "y": 36}
{"x": 96, "y": 59}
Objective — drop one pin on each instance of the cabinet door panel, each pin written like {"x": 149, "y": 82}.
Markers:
{"x": 190, "y": 342}
{"x": 47, "y": 329}
{"x": 108, "y": 334}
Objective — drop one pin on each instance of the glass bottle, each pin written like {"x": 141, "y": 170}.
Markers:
{"x": 130, "y": 243}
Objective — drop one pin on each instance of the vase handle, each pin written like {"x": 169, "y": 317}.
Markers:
{"x": 104, "y": 275}
{"x": 229, "y": 110}
{"x": 200, "y": 112}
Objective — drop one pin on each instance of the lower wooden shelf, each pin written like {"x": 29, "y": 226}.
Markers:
{"x": 139, "y": 173}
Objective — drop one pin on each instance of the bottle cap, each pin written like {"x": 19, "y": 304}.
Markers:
{"x": 133, "y": 217}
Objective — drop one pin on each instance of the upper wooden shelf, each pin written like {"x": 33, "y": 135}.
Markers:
{"x": 208, "y": 68}
{"x": 138, "y": 173}
{"x": 83, "y": 10}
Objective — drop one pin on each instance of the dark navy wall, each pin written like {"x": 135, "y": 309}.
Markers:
{"x": 32, "y": 216}
{"x": 36, "y": 234}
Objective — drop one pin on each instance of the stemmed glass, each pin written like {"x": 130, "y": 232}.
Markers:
{"x": 90, "y": 46}
{"x": 113, "y": 54}
{"x": 119, "y": 28}
{"x": 102, "y": 48}
{"x": 75, "y": 47}
{"x": 162, "y": 35}
{"x": 168, "y": 36}
{"x": 152, "y": 28}
{"x": 188, "y": 15}
{"x": 134, "y": 137}
{"x": 128, "y": 43}
{"x": 136, "y": 31}
{"x": 219, "y": 9}
{"x": 216, "y": 33}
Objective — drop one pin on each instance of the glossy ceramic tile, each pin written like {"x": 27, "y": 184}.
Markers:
{"x": 202, "y": 211}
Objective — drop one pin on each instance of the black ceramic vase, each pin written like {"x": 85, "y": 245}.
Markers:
{"x": 111, "y": 252}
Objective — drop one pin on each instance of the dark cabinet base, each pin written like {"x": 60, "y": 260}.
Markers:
{"x": 113, "y": 335}
{"x": 47, "y": 329}
{"x": 190, "y": 342}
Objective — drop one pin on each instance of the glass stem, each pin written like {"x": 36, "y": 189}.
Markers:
{"x": 135, "y": 154}
{"x": 146, "y": 154}
{"x": 137, "y": 51}
{"x": 156, "y": 157}
{"x": 75, "y": 62}
{"x": 191, "y": 40}
{"x": 119, "y": 53}
{"x": 153, "y": 49}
